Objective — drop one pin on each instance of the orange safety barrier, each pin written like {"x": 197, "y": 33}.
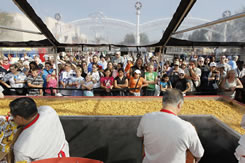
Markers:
{"x": 67, "y": 160}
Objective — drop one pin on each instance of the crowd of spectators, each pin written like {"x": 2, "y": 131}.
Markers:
{"x": 100, "y": 74}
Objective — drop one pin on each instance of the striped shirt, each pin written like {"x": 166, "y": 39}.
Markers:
{"x": 34, "y": 81}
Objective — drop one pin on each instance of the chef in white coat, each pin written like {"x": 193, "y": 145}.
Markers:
{"x": 240, "y": 150}
{"x": 42, "y": 136}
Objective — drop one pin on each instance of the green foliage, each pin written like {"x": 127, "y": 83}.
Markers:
{"x": 129, "y": 39}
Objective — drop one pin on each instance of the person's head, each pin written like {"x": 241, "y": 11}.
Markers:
{"x": 110, "y": 65}
{"x": 207, "y": 61}
{"x": 139, "y": 62}
{"x": 5, "y": 60}
{"x": 53, "y": 74}
{"x": 200, "y": 61}
{"x": 137, "y": 74}
{"x": 13, "y": 68}
{"x": 173, "y": 99}
{"x": 130, "y": 60}
{"x": 183, "y": 65}
{"x": 26, "y": 64}
{"x": 67, "y": 66}
{"x": 193, "y": 63}
{"x": 166, "y": 64}
{"x": 231, "y": 74}
{"x": 94, "y": 67}
{"x": 176, "y": 65}
{"x": 240, "y": 65}
{"x": 235, "y": 58}
{"x": 176, "y": 59}
{"x": 78, "y": 71}
{"x": 102, "y": 58}
{"x": 107, "y": 72}
{"x": 88, "y": 78}
{"x": 212, "y": 66}
{"x": 95, "y": 59}
{"x": 23, "y": 109}
{"x": 222, "y": 59}
{"x": 120, "y": 72}
{"x": 48, "y": 65}
{"x": 34, "y": 72}
{"x": 181, "y": 74}
{"x": 118, "y": 54}
{"x": 84, "y": 64}
{"x": 33, "y": 65}
{"x": 221, "y": 68}
{"x": 165, "y": 78}
{"x": 150, "y": 67}
{"x": 119, "y": 65}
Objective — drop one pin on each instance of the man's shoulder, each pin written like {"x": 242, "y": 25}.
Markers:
{"x": 45, "y": 109}
{"x": 167, "y": 117}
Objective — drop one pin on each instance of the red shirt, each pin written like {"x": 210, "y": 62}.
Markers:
{"x": 6, "y": 67}
{"x": 107, "y": 81}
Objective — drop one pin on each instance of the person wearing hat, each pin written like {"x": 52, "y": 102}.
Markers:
{"x": 221, "y": 69}
{"x": 117, "y": 58}
{"x": 182, "y": 83}
{"x": 167, "y": 137}
{"x": 213, "y": 78}
{"x": 136, "y": 82}
{"x": 42, "y": 133}
{"x": 174, "y": 73}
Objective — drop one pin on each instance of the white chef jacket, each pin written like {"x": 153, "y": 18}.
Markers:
{"x": 240, "y": 150}
{"x": 167, "y": 138}
{"x": 43, "y": 138}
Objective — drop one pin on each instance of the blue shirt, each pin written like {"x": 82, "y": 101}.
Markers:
{"x": 44, "y": 76}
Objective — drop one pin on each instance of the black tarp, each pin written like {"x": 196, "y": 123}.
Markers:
{"x": 113, "y": 139}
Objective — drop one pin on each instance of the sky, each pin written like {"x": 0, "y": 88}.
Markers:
{"x": 71, "y": 10}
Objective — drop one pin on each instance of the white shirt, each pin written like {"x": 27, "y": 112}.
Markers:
{"x": 20, "y": 77}
{"x": 78, "y": 80}
{"x": 240, "y": 150}
{"x": 96, "y": 76}
{"x": 43, "y": 139}
{"x": 167, "y": 137}
{"x": 198, "y": 72}
{"x": 66, "y": 77}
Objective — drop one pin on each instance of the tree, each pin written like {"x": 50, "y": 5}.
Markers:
{"x": 129, "y": 39}
{"x": 199, "y": 35}
{"x": 144, "y": 39}
{"x": 6, "y": 20}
